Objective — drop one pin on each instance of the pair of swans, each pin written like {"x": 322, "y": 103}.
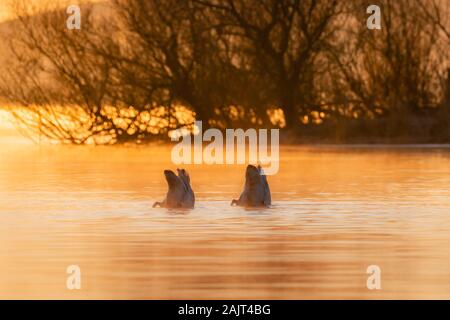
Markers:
{"x": 180, "y": 195}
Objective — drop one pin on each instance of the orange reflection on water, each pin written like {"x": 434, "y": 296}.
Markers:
{"x": 336, "y": 211}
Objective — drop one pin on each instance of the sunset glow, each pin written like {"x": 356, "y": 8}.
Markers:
{"x": 224, "y": 149}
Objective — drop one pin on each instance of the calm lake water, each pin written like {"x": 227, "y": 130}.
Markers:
{"x": 337, "y": 210}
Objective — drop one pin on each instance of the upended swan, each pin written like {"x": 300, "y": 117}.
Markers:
{"x": 256, "y": 190}
{"x": 180, "y": 194}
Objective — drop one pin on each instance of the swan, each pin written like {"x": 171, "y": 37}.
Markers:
{"x": 256, "y": 190}
{"x": 180, "y": 194}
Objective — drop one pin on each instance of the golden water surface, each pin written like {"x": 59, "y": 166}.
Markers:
{"x": 337, "y": 210}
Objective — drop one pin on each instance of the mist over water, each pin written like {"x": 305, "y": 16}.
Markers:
{"x": 336, "y": 211}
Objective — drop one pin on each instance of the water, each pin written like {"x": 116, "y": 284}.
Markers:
{"x": 337, "y": 210}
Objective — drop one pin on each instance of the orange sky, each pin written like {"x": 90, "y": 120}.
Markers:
{"x": 5, "y": 14}
{"x": 3, "y": 10}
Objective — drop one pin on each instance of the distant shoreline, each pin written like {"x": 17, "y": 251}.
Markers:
{"x": 363, "y": 133}
{"x": 13, "y": 134}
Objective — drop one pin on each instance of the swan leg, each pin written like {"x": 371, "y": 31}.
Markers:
{"x": 157, "y": 204}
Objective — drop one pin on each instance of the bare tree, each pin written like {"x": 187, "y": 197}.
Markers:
{"x": 283, "y": 41}
{"x": 395, "y": 68}
{"x": 438, "y": 12}
{"x": 141, "y": 68}
{"x": 67, "y": 90}
{"x": 52, "y": 69}
{"x": 165, "y": 53}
